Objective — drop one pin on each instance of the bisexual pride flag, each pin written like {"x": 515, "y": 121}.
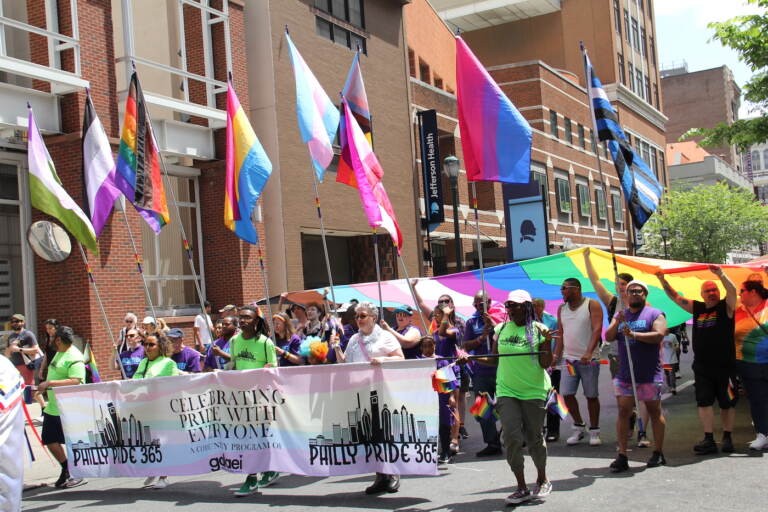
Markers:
{"x": 495, "y": 137}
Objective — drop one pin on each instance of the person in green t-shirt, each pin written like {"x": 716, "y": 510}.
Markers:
{"x": 252, "y": 349}
{"x": 65, "y": 369}
{"x": 522, "y": 384}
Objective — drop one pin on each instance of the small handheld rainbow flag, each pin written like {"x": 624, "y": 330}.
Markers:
{"x": 444, "y": 380}
{"x": 731, "y": 392}
{"x": 90, "y": 362}
{"x": 571, "y": 370}
{"x": 556, "y": 404}
{"x": 483, "y": 407}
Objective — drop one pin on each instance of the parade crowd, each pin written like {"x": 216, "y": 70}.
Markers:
{"x": 559, "y": 352}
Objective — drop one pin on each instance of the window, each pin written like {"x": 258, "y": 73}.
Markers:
{"x": 639, "y": 83}
{"x": 618, "y": 209}
{"x": 553, "y": 123}
{"x": 626, "y": 25}
{"x": 654, "y": 164}
{"x": 563, "y": 199}
{"x": 617, "y": 16}
{"x": 602, "y": 207}
{"x": 539, "y": 175}
{"x": 170, "y": 280}
{"x": 593, "y": 140}
{"x": 606, "y": 151}
{"x": 662, "y": 168}
{"x": 635, "y": 34}
{"x": 631, "y": 77}
{"x": 411, "y": 63}
{"x": 643, "y": 42}
{"x": 648, "y": 97}
{"x": 568, "y": 131}
{"x": 582, "y": 138}
{"x": 348, "y": 11}
{"x": 652, "y": 49}
{"x": 622, "y": 78}
{"x": 640, "y": 5}
{"x": 423, "y": 71}
{"x": 438, "y": 82}
{"x": 656, "y": 96}
{"x": 585, "y": 206}
{"x": 756, "y": 160}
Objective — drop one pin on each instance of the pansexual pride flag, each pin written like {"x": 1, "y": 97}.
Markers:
{"x": 138, "y": 161}
{"x": 318, "y": 116}
{"x": 354, "y": 92}
{"x": 368, "y": 174}
{"x": 248, "y": 169}
{"x": 495, "y": 137}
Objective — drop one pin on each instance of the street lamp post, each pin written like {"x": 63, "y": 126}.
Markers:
{"x": 664, "y": 235}
{"x": 451, "y": 168}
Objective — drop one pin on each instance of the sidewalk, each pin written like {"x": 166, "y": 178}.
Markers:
{"x": 44, "y": 470}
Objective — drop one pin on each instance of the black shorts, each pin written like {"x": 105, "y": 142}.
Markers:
{"x": 464, "y": 380}
{"x": 711, "y": 386}
{"x": 52, "y": 431}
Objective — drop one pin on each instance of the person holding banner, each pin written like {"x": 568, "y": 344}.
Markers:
{"x": 252, "y": 349}
{"x": 287, "y": 342}
{"x": 374, "y": 345}
{"x": 522, "y": 385}
{"x": 65, "y": 369}
{"x": 218, "y": 355}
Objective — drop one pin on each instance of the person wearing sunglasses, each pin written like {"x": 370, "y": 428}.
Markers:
{"x": 132, "y": 356}
{"x": 751, "y": 337}
{"x": 644, "y": 328}
{"x": 714, "y": 355}
{"x": 23, "y": 350}
{"x": 129, "y": 322}
{"x": 374, "y": 345}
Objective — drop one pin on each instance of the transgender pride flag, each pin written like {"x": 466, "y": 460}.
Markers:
{"x": 318, "y": 116}
{"x": 495, "y": 137}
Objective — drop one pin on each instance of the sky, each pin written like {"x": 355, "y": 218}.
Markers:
{"x": 682, "y": 34}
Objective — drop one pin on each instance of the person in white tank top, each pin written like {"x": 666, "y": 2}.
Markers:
{"x": 581, "y": 321}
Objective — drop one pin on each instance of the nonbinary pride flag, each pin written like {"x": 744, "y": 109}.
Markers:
{"x": 138, "y": 161}
{"x": 48, "y": 195}
{"x": 98, "y": 169}
{"x": 642, "y": 190}
{"x": 248, "y": 169}
{"x": 318, "y": 116}
{"x": 368, "y": 174}
{"x": 354, "y": 92}
{"x": 495, "y": 137}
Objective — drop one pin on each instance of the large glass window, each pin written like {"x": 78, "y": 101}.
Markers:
{"x": 602, "y": 207}
{"x": 563, "y": 190}
{"x": 617, "y": 16}
{"x": 568, "y": 130}
{"x": 582, "y": 137}
{"x": 11, "y": 270}
{"x": 170, "y": 278}
{"x": 622, "y": 77}
{"x": 618, "y": 210}
{"x": 553, "y": 123}
{"x": 348, "y": 11}
{"x": 539, "y": 175}
{"x": 585, "y": 206}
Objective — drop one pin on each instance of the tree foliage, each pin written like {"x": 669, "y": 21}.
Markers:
{"x": 748, "y": 36}
{"x": 705, "y": 223}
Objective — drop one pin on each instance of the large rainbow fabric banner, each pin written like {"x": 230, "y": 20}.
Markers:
{"x": 542, "y": 277}
{"x": 495, "y": 137}
{"x": 320, "y": 420}
{"x": 247, "y": 170}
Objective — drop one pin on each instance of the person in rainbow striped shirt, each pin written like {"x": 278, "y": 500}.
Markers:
{"x": 751, "y": 339}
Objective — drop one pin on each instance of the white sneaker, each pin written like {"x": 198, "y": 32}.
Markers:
{"x": 543, "y": 490}
{"x": 577, "y": 436}
{"x": 760, "y": 442}
{"x": 162, "y": 483}
{"x": 594, "y": 437}
{"x": 149, "y": 481}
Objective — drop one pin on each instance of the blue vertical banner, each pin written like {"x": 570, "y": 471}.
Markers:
{"x": 526, "y": 221}
{"x": 431, "y": 167}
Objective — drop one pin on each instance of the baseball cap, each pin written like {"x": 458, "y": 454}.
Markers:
{"x": 149, "y": 320}
{"x": 519, "y": 296}
{"x": 408, "y": 310}
{"x": 175, "y": 333}
{"x": 228, "y": 307}
{"x": 18, "y": 316}
{"x": 637, "y": 282}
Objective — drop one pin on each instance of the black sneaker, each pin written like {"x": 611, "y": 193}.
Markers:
{"x": 489, "y": 451}
{"x": 656, "y": 460}
{"x": 463, "y": 432}
{"x": 706, "y": 446}
{"x": 381, "y": 484}
{"x": 393, "y": 485}
{"x": 620, "y": 464}
{"x": 727, "y": 445}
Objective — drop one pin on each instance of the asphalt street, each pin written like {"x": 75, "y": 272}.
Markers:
{"x": 579, "y": 474}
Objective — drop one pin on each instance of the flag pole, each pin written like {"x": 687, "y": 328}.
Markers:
{"x": 479, "y": 246}
{"x": 101, "y": 306}
{"x": 619, "y": 301}
{"x": 325, "y": 244}
{"x": 378, "y": 271}
{"x": 270, "y": 323}
{"x": 413, "y": 292}
{"x": 138, "y": 264}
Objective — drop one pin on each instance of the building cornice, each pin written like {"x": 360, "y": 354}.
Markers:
{"x": 621, "y": 94}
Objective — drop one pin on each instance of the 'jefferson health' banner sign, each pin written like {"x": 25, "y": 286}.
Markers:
{"x": 307, "y": 420}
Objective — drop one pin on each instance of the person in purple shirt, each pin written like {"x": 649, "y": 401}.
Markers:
{"x": 644, "y": 327}
{"x": 287, "y": 342}
{"x": 406, "y": 333}
{"x": 478, "y": 337}
{"x": 187, "y": 359}
{"x": 218, "y": 356}
{"x": 132, "y": 355}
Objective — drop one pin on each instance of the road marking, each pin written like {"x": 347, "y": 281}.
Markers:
{"x": 457, "y": 466}
{"x": 681, "y": 387}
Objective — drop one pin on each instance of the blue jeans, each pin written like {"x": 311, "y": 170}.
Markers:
{"x": 755, "y": 379}
{"x": 487, "y": 383}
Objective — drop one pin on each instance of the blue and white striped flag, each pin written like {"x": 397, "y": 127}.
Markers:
{"x": 641, "y": 188}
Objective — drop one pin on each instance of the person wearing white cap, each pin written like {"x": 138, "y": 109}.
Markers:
{"x": 149, "y": 325}
{"x": 522, "y": 385}
{"x": 644, "y": 327}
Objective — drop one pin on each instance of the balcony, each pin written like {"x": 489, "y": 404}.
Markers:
{"x": 709, "y": 171}
{"x": 471, "y": 15}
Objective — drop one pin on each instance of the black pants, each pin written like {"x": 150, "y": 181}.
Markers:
{"x": 553, "y": 420}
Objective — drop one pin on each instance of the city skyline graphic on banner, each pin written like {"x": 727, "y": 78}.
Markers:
{"x": 112, "y": 431}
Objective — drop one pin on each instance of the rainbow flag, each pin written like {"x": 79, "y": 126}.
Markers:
{"x": 90, "y": 362}
{"x": 444, "y": 387}
{"x": 318, "y": 117}
{"x": 495, "y": 137}
{"x": 571, "y": 369}
{"x": 556, "y": 404}
{"x": 247, "y": 170}
{"x": 483, "y": 407}
{"x": 354, "y": 92}
{"x": 731, "y": 392}
{"x": 138, "y": 175}
{"x": 444, "y": 380}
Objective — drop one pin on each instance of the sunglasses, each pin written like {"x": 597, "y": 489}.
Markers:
{"x": 149, "y": 344}
{"x": 566, "y": 287}
{"x": 444, "y": 301}
{"x": 128, "y": 321}
{"x": 362, "y": 317}
{"x": 16, "y": 321}
{"x": 636, "y": 291}
{"x": 131, "y": 335}
{"x": 512, "y": 305}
